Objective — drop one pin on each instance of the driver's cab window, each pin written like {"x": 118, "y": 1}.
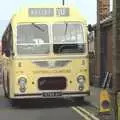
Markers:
{"x": 7, "y": 41}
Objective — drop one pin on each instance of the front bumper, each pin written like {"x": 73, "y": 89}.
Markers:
{"x": 63, "y": 95}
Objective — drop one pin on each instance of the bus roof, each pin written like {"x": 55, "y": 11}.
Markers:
{"x": 48, "y": 14}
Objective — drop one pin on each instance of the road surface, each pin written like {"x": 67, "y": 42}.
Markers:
{"x": 39, "y": 110}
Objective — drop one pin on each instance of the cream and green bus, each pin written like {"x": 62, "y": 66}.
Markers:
{"x": 45, "y": 54}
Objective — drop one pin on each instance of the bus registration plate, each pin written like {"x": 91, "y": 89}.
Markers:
{"x": 51, "y": 94}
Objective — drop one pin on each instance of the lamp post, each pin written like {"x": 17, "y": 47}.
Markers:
{"x": 63, "y": 2}
{"x": 116, "y": 55}
{"x": 98, "y": 43}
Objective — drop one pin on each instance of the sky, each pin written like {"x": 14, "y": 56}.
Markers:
{"x": 87, "y": 7}
{"x": 8, "y": 8}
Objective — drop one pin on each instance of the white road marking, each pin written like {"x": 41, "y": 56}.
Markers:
{"x": 81, "y": 113}
{"x": 88, "y": 113}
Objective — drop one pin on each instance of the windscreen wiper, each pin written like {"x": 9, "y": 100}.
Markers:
{"x": 66, "y": 28}
{"x": 38, "y": 27}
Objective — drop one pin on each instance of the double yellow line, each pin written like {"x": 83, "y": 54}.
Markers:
{"x": 84, "y": 113}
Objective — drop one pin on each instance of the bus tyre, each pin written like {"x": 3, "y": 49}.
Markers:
{"x": 8, "y": 87}
{"x": 5, "y": 91}
{"x": 13, "y": 102}
{"x": 79, "y": 99}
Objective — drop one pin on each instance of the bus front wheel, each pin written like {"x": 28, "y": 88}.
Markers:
{"x": 6, "y": 87}
{"x": 79, "y": 99}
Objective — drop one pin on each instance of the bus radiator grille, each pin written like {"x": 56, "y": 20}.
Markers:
{"x": 52, "y": 83}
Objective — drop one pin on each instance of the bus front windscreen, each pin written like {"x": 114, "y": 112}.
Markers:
{"x": 32, "y": 39}
{"x": 68, "y": 38}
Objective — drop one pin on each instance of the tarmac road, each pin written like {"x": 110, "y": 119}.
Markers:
{"x": 38, "y": 110}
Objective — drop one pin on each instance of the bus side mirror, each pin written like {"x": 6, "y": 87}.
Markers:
{"x": 7, "y": 53}
{"x": 90, "y": 28}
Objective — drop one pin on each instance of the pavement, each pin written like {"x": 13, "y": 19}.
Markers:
{"x": 94, "y": 96}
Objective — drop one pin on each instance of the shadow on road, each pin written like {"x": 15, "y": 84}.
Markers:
{"x": 51, "y": 103}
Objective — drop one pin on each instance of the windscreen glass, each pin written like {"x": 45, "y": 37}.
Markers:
{"x": 33, "y": 39}
{"x": 68, "y": 38}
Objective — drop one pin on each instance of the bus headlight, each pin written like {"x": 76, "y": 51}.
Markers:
{"x": 81, "y": 79}
{"x": 81, "y": 87}
{"x": 22, "y": 83}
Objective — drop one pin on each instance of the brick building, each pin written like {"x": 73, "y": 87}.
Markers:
{"x": 105, "y": 51}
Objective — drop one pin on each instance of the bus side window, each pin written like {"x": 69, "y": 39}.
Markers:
{"x": 11, "y": 40}
{"x": 3, "y": 44}
{"x": 6, "y": 42}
